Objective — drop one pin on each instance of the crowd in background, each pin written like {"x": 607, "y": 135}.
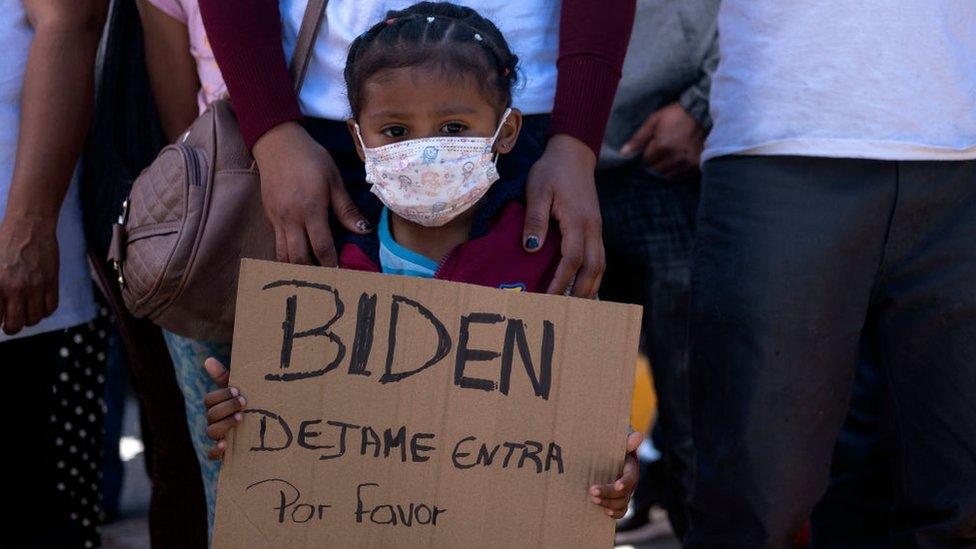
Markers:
{"x": 789, "y": 191}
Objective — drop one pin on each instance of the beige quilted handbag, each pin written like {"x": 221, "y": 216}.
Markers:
{"x": 193, "y": 214}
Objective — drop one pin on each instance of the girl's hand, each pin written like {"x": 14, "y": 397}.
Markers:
{"x": 224, "y": 407}
{"x": 615, "y": 497}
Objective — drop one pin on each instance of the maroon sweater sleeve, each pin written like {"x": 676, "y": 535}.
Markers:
{"x": 593, "y": 38}
{"x": 245, "y": 36}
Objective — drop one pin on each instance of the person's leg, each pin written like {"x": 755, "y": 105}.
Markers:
{"x": 177, "y": 508}
{"x": 116, "y": 377}
{"x": 855, "y": 513}
{"x": 927, "y": 326}
{"x": 670, "y": 256}
{"x": 35, "y": 513}
{"x": 623, "y": 283}
{"x": 76, "y": 422}
{"x": 648, "y": 228}
{"x": 188, "y": 356}
{"x": 786, "y": 254}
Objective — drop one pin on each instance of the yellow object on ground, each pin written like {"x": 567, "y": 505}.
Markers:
{"x": 643, "y": 405}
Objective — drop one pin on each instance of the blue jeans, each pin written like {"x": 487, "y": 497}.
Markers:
{"x": 188, "y": 356}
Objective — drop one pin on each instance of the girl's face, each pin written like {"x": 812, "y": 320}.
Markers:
{"x": 416, "y": 102}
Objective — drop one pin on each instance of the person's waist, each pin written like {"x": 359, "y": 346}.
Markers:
{"x": 827, "y": 147}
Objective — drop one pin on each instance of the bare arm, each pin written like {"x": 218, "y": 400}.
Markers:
{"x": 55, "y": 111}
{"x": 172, "y": 69}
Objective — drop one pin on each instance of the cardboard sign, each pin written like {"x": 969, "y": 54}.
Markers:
{"x": 386, "y": 411}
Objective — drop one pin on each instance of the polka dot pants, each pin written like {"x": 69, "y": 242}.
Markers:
{"x": 76, "y": 421}
{"x": 50, "y": 468}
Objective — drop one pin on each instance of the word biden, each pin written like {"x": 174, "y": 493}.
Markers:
{"x": 408, "y": 314}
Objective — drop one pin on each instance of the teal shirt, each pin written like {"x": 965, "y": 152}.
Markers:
{"x": 395, "y": 259}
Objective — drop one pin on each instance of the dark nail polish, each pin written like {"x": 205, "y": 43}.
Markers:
{"x": 532, "y": 242}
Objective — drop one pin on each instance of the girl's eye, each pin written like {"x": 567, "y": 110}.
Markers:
{"x": 395, "y": 131}
{"x": 453, "y": 127}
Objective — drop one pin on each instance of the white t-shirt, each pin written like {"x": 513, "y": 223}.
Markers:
{"x": 879, "y": 79}
{"x": 76, "y": 303}
{"x": 531, "y": 28}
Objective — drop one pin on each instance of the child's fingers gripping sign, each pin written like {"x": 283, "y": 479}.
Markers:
{"x": 224, "y": 407}
{"x": 615, "y": 497}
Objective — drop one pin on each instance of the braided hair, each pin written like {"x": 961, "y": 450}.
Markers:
{"x": 455, "y": 38}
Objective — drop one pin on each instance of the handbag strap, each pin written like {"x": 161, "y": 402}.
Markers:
{"x": 311, "y": 23}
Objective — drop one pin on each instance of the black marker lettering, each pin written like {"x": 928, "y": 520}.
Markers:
{"x": 362, "y": 344}
{"x": 398, "y": 441}
{"x": 263, "y": 429}
{"x": 289, "y": 335}
{"x": 416, "y": 447}
{"x": 342, "y": 438}
{"x": 485, "y": 457}
{"x": 554, "y": 454}
{"x": 515, "y": 335}
{"x": 531, "y": 451}
{"x": 511, "y": 449}
{"x": 465, "y": 355}
{"x": 443, "y": 339}
{"x": 359, "y": 500}
{"x": 456, "y": 455}
{"x": 304, "y": 433}
{"x": 370, "y": 438}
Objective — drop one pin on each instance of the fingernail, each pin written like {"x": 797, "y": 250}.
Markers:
{"x": 626, "y": 149}
{"x": 363, "y": 225}
{"x": 532, "y": 242}
{"x": 221, "y": 444}
{"x": 242, "y": 401}
{"x": 595, "y": 500}
{"x": 618, "y": 486}
{"x": 594, "y": 491}
{"x": 609, "y": 513}
{"x": 234, "y": 391}
{"x": 238, "y": 416}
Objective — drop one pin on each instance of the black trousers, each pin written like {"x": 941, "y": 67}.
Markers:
{"x": 50, "y": 460}
{"x": 855, "y": 513}
{"x": 648, "y": 230}
{"x": 794, "y": 256}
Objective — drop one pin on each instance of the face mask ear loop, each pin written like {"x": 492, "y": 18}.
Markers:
{"x": 494, "y": 138}
{"x": 360, "y": 136}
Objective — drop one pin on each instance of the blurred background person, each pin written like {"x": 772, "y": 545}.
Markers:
{"x": 648, "y": 182}
{"x": 838, "y": 197}
{"x": 53, "y": 351}
{"x": 126, "y": 136}
{"x": 185, "y": 80}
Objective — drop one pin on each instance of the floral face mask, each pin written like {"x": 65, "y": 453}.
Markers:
{"x": 432, "y": 180}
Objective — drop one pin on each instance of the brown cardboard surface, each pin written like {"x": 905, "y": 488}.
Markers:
{"x": 436, "y": 458}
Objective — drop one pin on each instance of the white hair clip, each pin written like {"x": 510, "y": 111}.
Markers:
{"x": 430, "y": 19}
{"x": 477, "y": 37}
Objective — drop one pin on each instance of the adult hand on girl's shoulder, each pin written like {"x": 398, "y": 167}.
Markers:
{"x": 562, "y": 185}
{"x": 299, "y": 184}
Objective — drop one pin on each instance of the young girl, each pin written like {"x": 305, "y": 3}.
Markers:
{"x": 185, "y": 80}
{"x": 430, "y": 90}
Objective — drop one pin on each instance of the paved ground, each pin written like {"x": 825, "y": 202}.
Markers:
{"x": 131, "y": 530}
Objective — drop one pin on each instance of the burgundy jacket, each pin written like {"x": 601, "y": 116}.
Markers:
{"x": 593, "y": 35}
{"x": 495, "y": 259}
